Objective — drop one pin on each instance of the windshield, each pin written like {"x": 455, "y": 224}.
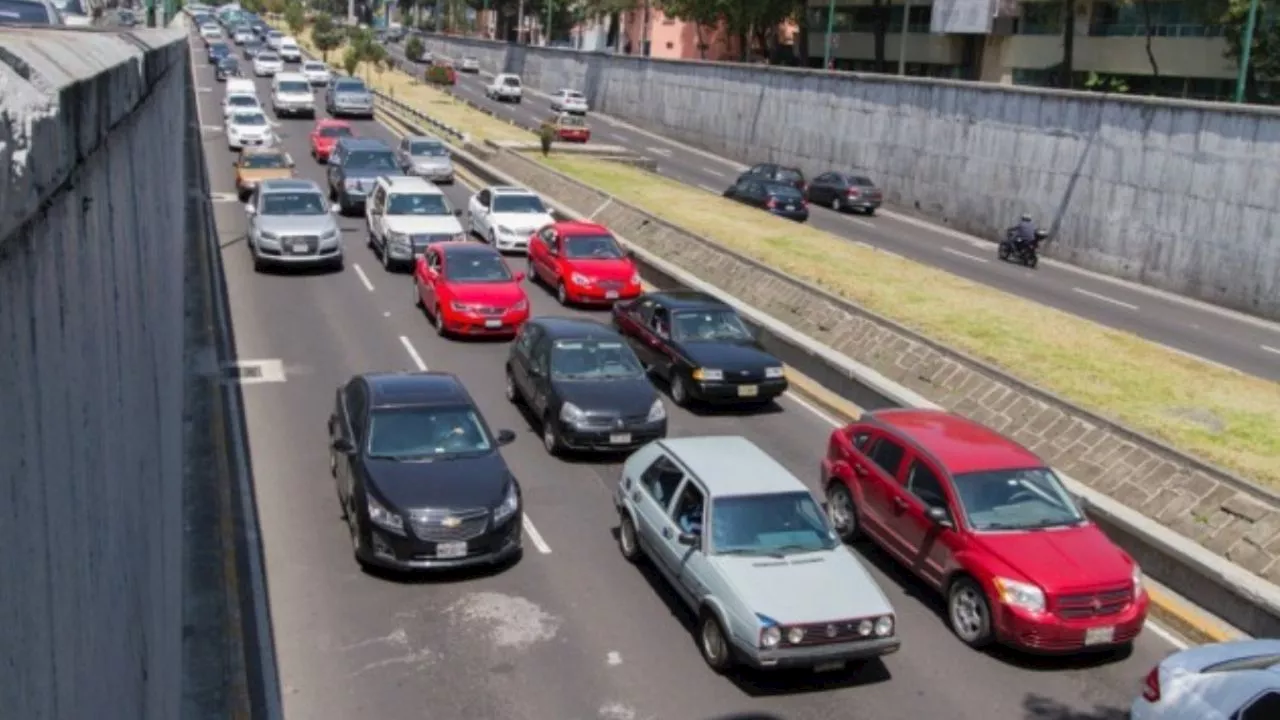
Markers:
{"x": 422, "y": 433}
{"x": 24, "y": 12}
{"x": 294, "y": 86}
{"x": 773, "y": 524}
{"x": 264, "y": 161}
{"x": 229, "y": 61}
{"x": 299, "y": 203}
{"x": 242, "y": 101}
{"x": 476, "y": 267}
{"x": 371, "y": 160}
{"x": 786, "y": 175}
{"x": 417, "y": 204}
{"x": 1016, "y": 500}
{"x": 349, "y": 86}
{"x": 527, "y": 204}
{"x": 709, "y": 326}
{"x": 593, "y": 360}
{"x": 335, "y": 132}
{"x": 249, "y": 119}
{"x": 314, "y": 67}
{"x": 267, "y": 56}
{"x": 600, "y": 247}
{"x": 428, "y": 148}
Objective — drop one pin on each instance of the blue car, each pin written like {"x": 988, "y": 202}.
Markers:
{"x": 354, "y": 168}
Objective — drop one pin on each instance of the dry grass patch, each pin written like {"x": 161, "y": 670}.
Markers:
{"x": 1226, "y": 417}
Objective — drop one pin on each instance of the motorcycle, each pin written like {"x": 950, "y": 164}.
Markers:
{"x": 1026, "y": 253}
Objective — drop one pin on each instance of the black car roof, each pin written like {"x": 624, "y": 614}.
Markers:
{"x": 558, "y": 328}
{"x": 687, "y": 299}
{"x": 419, "y": 388}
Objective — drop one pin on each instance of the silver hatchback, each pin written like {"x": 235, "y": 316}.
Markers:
{"x": 426, "y": 157}
{"x": 292, "y": 224}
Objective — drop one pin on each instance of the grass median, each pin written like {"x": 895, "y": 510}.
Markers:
{"x": 1224, "y": 416}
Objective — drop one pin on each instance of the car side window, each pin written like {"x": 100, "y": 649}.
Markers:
{"x": 355, "y": 397}
{"x": 661, "y": 479}
{"x": 524, "y": 342}
{"x": 433, "y": 259}
{"x": 661, "y": 322}
{"x": 925, "y": 485}
{"x": 539, "y": 356}
{"x": 688, "y": 511}
{"x": 824, "y": 178}
{"x": 379, "y": 197}
{"x": 485, "y": 198}
{"x": 858, "y": 438}
{"x": 548, "y": 235}
{"x": 1264, "y": 707}
{"x": 645, "y": 311}
{"x": 888, "y": 455}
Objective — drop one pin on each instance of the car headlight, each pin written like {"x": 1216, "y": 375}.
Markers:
{"x": 397, "y": 239}
{"x": 579, "y": 279}
{"x": 572, "y": 414}
{"x": 1020, "y": 595}
{"x": 866, "y": 627}
{"x": 795, "y": 635}
{"x": 774, "y": 372}
{"x": 509, "y": 505}
{"x": 770, "y": 637}
{"x": 462, "y": 307}
{"x": 884, "y": 626}
{"x": 382, "y": 517}
{"x": 635, "y": 278}
{"x": 505, "y": 231}
{"x": 521, "y": 306}
{"x": 329, "y": 235}
{"x": 269, "y": 235}
{"x": 657, "y": 411}
{"x": 1137, "y": 581}
{"x": 708, "y": 375}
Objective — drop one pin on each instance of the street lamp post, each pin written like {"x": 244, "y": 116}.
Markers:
{"x": 547, "y": 32}
{"x": 826, "y": 43}
{"x": 902, "y": 39}
{"x": 1246, "y": 47}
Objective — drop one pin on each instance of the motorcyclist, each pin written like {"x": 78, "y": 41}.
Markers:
{"x": 1024, "y": 232}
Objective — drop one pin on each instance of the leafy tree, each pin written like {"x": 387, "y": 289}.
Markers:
{"x": 1264, "y": 54}
{"x": 273, "y": 7}
{"x": 351, "y": 60}
{"x": 413, "y": 49}
{"x": 322, "y": 24}
{"x": 295, "y": 17}
{"x": 704, "y": 14}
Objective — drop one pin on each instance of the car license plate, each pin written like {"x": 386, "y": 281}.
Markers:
{"x": 451, "y": 550}
{"x": 493, "y": 323}
{"x": 1099, "y": 636}
{"x": 611, "y": 295}
{"x": 828, "y": 667}
{"x": 300, "y": 248}
{"x": 620, "y": 438}
{"x": 748, "y": 391}
{"x": 791, "y": 207}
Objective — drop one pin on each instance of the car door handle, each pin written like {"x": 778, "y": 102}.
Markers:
{"x": 860, "y": 470}
{"x": 899, "y": 503}
{"x": 666, "y": 533}
{"x": 635, "y": 496}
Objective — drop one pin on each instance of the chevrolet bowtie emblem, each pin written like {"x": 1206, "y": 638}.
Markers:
{"x": 451, "y": 522}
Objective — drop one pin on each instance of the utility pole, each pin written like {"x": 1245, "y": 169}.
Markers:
{"x": 644, "y": 32}
{"x": 519, "y": 21}
{"x": 826, "y": 42}
{"x": 351, "y": 12}
{"x": 902, "y": 39}
{"x": 546, "y": 32}
{"x": 1247, "y": 44}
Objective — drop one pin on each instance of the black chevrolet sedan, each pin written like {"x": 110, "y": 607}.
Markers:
{"x": 584, "y": 385}
{"x": 420, "y": 479}
{"x": 700, "y": 346}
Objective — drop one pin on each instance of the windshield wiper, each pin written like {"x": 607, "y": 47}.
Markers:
{"x": 796, "y": 549}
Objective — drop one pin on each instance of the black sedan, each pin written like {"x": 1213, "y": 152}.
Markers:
{"x": 217, "y": 51}
{"x": 779, "y": 199}
{"x": 420, "y": 479}
{"x": 584, "y": 385}
{"x": 845, "y": 191}
{"x": 700, "y": 346}
{"x": 228, "y": 67}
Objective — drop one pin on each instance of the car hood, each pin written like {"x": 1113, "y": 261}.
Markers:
{"x": 628, "y": 397}
{"x": 805, "y": 588}
{"x": 297, "y": 224}
{"x": 249, "y": 129}
{"x": 522, "y": 222}
{"x": 350, "y": 173}
{"x": 727, "y": 355}
{"x": 1061, "y": 559}
{"x": 350, "y": 97}
{"x": 495, "y": 294}
{"x": 453, "y": 484}
{"x": 267, "y": 61}
{"x": 258, "y": 175}
{"x": 604, "y": 269}
{"x": 424, "y": 224}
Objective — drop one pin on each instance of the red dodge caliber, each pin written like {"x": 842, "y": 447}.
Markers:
{"x": 583, "y": 263}
{"x": 467, "y": 289}
{"x": 989, "y": 525}
{"x": 325, "y": 135}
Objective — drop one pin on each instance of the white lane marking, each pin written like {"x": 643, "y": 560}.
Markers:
{"x": 204, "y": 89}
{"x": 535, "y": 536}
{"x": 716, "y": 173}
{"x": 614, "y": 658}
{"x": 256, "y": 372}
{"x": 961, "y": 253}
{"x": 860, "y": 221}
{"x": 211, "y": 128}
{"x": 413, "y": 353}
{"x": 1169, "y": 636}
{"x": 1270, "y": 349}
{"x": 709, "y": 189}
{"x": 224, "y": 197}
{"x": 659, "y": 151}
{"x": 364, "y": 279}
{"x": 1104, "y": 298}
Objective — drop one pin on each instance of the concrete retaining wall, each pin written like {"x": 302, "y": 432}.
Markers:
{"x": 1178, "y": 195}
{"x": 92, "y": 226}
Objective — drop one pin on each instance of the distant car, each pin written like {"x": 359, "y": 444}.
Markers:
{"x": 1224, "y": 681}
{"x": 749, "y": 552}
{"x": 209, "y": 32}
{"x": 273, "y": 38}
{"x": 239, "y": 103}
{"x": 773, "y": 173}
{"x": 243, "y": 35}
{"x": 776, "y": 198}
{"x": 845, "y": 191}
{"x": 505, "y": 88}
{"x": 425, "y": 156}
{"x": 585, "y": 386}
{"x": 355, "y": 164}
{"x": 30, "y": 12}
{"x": 699, "y": 346}
{"x": 249, "y": 128}
{"x": 256, "y": 165}
{"x": 216, "y": 51}
{"x": 228, "y": 67}
{"x": 291, "y": 224}
{"x": 267, "y": 64}
{"x": 326, "y": 134}
{"x": 317, "y": 73}
{"x": 289, "y": 50}
{"x": 291, "y": 95}
{"x": 469, "y": 65}
{"x": 405, "y": 214}
{"x": 420, "y": 479}
{"x": 583, "y": 263}
{"x": 988, "y": 525}
{"x": 468, "y": 290}
{"x": 252, "y": 48}
{"x": 74, "y": 13}
{"x": 570, "y": 101}
{"x": 569, "y": 127}
{"x": 506, "y": 216}
{"x": 348, "y": 97}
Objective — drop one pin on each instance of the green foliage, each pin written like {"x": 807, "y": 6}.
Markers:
{"x": 413, "y": 49}
{"x": 351, "y": 60}
{"x": 1264, "y": 54}
{"x": 326, "y": 35}
{"x": 295, "y": 17}
{"x": 322, "y": 24}
{"x": 440, "y": 75}
{"x": 1105, "y": 83}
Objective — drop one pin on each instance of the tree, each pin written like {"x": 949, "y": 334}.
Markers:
{"x": 703, "y": 14}
{"x": 273, "y": 7}
{"x": 413, "y": 49}
{"x": 295, "y": 17}
{"x": 351, "y": 60}
{"x": 377, "y": 56}
{"x": 322, "y": 24}
{"x": 1264, "y": 55}
{"x": 325, "y": 35}
{"x": 1149, "y": 22}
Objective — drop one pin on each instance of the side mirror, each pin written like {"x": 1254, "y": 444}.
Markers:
{"x": 457, "y": 213}
{"x": 288, "y": 160}
{"x": 1083, "y": 504}
{"x": 249, "y": 209}
{"x": 343, "y": 446}
{"x": 689, "y": 539}
{"x": 939, "y": 516}
{"x": 519, "y": 276}
{"x": 335, "y": 208}
{"x": 506, "y": 437}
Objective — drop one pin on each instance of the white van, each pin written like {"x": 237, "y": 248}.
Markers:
{"x": 241, "y": 86}
{"x": 289, "y": 50}
{"x": 291, "y": 95}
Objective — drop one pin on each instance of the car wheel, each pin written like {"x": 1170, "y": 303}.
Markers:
{"x": 712, "y": 642}
{"x": 493, "y": 239}
{"x": 836, "y": 204}
{"x": 679, "y": 391}
{"x": 386, "y": 256}
{"x": 417, "y": 295}
{"x": 529, "y": 271}
{"x": 562, "y": 294}
{"x": 512, "y": 393}
{"x": 969, "y": 613}
{"x": 550, "y": 436}
{"x": 1032, "y": 261}
{"x": 357, "y": 541}
{"x": 841, "y": 512}
{"x": 871, "y": 211}
{"x": 628, "y": 543}
{"x": 437, "y": 319}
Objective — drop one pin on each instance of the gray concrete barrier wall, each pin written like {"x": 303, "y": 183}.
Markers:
{"x": 92, "y": 218}
{"x": 1177, "y": 195}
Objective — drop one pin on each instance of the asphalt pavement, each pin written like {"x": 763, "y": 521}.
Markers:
{"x": 1246, "y": 343}
{"x": 572, "y": 631}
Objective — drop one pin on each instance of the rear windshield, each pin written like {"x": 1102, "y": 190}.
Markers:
{"x": 335, "y": 132}
{"x": 511, "y": 82}
{"x": 789, "y": 175}
{"x": 268, "y": 56}
{"x": 861, "y": 181}
{"x": 785, "y": 192}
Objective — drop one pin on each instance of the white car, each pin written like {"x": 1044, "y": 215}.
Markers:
{"x": 242, "y": 35}
{"x": 316, "y": 73}
{"x": 469, "y": 65}
{"x": 505, "y": 88}
{"x": 505, "y": 217}
{"x": 266, "y": 64}
{"x": 404, "y": 215}
{"x": 570, "y": 101}
{"x": 1237, "y": 680}
{"x": 291, "y": 94}
{"x": 273, "y": 39}
{"x": 240, "y": 103}
{"x": 249, "y": 129}
{"x": 210, "y": 33}
{"x": 241, "y": 86}
{"x": 289, "y": 50}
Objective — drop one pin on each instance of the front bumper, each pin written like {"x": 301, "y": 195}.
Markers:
{"x": 295, "y": 108}
{"x": 812, "y": 655}
{"x": 1046, "y": 633}
{"x": 594, "y": 294}
{"x": 610, "y": 439}
{"x": 516, "y": 242}
{"x": 238, "y": 142}
{"x": 352, "y": 111}
{"x": 477, "y": 325}
{"x": 278, "y": 257}
{"x": 721, "y": 392}
{"x": 398, "y": 552}
{"x": 266, "y": 70}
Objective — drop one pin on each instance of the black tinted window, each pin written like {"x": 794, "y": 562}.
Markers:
{"x": 371, "y": 160}
{"x": 16, "y": 12}
{"x": 788, "y": 175}
{"x": 1266, "y": 707}
{"x": 888, "y": 455}
{"x": 861, "y": 181}
{"x": 922, "y": 483}
{"x": 783, "y": 192}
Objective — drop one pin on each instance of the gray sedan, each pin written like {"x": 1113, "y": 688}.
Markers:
{"x": 291, "y": 224}
{"x": 426, "y": 157}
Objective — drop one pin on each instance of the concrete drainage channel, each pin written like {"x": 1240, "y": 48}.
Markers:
{"x": 837, "y": 384}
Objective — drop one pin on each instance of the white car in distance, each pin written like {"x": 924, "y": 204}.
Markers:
{"x": 570, "y": 101}
{"x": 317, "y": 73}
{"x": 266, "y": 64}
{"x": 505, "y": 217}
{"x": 505, "y": 88}
{"x": 249, "y": 129}
{"x": 240, "y": 103}
{"x": 291, "y": 94}
{"x": 1232, "y": 680}
{"x": 289, "y": 50}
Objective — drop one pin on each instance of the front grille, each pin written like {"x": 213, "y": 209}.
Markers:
{"x": 826, "y": 633}
{"x": 612, "y": 284}
{"x": 438, "y": 526}
{"x": 290, "y": 244}
{"x": 747, "y": 377}
{"x": 1095, "y": 604}
{"x": 612, "y": 421}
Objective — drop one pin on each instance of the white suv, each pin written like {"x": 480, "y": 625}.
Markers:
{"x": 291, "y": 95}
{"x": 289, "y": 50}
{"x": 404, "y": 215}
{"x": 505, "y": 88}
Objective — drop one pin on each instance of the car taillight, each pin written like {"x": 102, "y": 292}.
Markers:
{"x": 853, "y": 192}
{"x": 1151, "y": 686}
{"x": 772, "y": 203}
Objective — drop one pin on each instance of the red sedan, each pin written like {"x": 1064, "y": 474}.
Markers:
{"x": 989, "y": 525}
{"x": 467, "y": 289}
{"x": 325, "y": 135}
{"x": 584, "y": 263}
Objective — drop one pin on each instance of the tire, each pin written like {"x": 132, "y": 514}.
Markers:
{"x": 385, "y": 253}
{"x": 530, "y": 272}
{"x": 836, "y": 205}
{"x": 679, "y": 390}
{"x": 511, "y": 391}
{"x": 437, "y": 319}
{"x": 871, "y": 211}
{"x": 357, "y": 538}
{"x": 1004, "y": 251}
{"x": 1032, "y": 261}
{"x": 628, "y": 540}
{"x": 969, "y": 613}
{"x": 562, "y": 294}
{"x": 417, "y": 295}
{"x": 842, "y": 512}
{"x": 712, "y": 643}
{"x": 551, "y": 437}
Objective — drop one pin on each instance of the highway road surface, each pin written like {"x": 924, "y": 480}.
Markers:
{"x": 573, "y": 631}
{"x": 1246, "y": 343}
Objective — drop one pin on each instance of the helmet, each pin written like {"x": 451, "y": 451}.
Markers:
{"x": 1026, "y": 217}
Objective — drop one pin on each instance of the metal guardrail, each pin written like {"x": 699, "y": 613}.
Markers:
{"x": 404, "y": 108}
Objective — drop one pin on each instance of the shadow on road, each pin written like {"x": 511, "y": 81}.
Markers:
{"x": 1036, "y": 707}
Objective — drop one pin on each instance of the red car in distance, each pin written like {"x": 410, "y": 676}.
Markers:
{"x": 583, "y": 263}
{"x": 986, "y": 523}
{"x": 467, "y": 289}
{"x": 325, "y": 135}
